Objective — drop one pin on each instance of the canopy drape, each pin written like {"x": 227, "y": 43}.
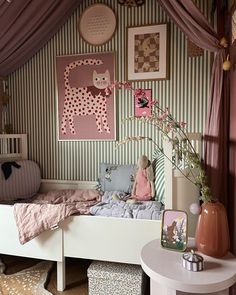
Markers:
{"x": 196, "y": 27}
{"x": 26, "y": 25}
{"x": 232, "y": 151}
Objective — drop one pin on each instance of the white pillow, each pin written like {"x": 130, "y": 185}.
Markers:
{"x": 23, "y": 183}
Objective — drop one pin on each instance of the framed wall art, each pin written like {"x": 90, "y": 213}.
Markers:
{"x": 142, "y": 104}
{"x": 131, "y": 3}
{"x": 233, "y": 22}
{"x": 97, "y": 24}
{"x": 147, "y": 52}
{"x": 86, "y": 105}
{"x": 174, "y": 230}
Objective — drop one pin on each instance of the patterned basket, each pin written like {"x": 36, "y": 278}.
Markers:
{"x": 108, "y": 278}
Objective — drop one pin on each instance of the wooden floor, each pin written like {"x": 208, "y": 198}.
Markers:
{"x": 76, "y": 274}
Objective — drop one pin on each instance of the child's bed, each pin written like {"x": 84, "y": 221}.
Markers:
{"x": 90, "y": 237}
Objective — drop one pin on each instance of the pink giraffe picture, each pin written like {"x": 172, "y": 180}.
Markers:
{"x": 86, "y": 104}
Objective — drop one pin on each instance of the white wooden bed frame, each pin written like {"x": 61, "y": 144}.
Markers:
{"x": 90, "y": 237}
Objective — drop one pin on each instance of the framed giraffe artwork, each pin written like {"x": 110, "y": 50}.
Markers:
{"x": 147, "y": 54}
{"x": 86, "y": 105}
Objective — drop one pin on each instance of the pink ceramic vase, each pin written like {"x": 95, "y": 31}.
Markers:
{"x": 212, "y": 233}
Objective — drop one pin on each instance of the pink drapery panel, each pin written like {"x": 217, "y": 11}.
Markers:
{"x": 26, "y": 25}
{"x": 194, "y": 24}
{"x": 232, "y": 151}
{"x": 1, "y": 95}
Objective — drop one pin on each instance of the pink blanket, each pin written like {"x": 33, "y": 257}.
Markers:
{"x": 47, "y": 210}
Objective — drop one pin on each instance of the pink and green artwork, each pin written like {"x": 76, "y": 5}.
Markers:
{"x": 174, "y": 230}
{"x": 86, "y": 104}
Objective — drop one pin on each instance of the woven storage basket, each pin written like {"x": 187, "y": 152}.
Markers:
{"x": 108, "y": 278}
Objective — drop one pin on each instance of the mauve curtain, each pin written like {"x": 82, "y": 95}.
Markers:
{"x": 26, "y": 25}
{"x": 193, "y": 23}
{"x": 232, "y": 153}
{"x": 1, "y": 95}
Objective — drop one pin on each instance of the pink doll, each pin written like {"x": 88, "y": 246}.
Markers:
{"x": 143, "y": 189}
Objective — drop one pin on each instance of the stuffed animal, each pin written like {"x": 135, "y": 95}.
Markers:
{"x": 143, "y": 189}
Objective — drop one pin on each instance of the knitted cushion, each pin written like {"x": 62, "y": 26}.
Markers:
{"x": 23, "y": 182}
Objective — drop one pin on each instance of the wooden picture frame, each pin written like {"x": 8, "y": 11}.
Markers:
{"x": 174, "y": 230}
{"x": 147, "y": 52}
{"x": 233, "y": 22}
{"x": 86, "y": 105}
{"x": 97, "y": 24}
{"x": 142, "y": 104}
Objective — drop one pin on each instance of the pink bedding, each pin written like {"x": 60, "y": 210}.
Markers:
{"x": 47, "y": 210}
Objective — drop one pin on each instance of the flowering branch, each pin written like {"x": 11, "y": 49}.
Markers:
{"x": 138, "y": 138}
{"x": 174, "y": 131}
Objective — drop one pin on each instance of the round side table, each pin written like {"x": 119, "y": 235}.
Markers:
{"x": 169, "y": 277}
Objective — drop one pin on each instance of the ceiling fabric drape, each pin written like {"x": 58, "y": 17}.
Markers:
{"x": 196, "y": 27}
{"x": 192, "y": 22}
{"x": 26, "y": 25}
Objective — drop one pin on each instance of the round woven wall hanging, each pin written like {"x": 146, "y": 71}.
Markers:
{"x": 97, "y": 24}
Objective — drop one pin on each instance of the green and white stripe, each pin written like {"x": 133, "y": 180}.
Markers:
{"x": 159, "y": 174}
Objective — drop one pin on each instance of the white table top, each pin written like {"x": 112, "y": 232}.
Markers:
{"x": 165, "y": 267}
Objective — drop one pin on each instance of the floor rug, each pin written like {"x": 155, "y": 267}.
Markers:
{"x": 30, "y": 281}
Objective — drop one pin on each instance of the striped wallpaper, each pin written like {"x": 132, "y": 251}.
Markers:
{"x": 33, "y": 91}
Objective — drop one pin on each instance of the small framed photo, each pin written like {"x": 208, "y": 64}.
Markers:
{"x": 174, "y": 230}
{"x": 147, "y": 52}
{"x": 142, "y": 104}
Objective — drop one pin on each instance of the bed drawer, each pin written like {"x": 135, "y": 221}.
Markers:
{"x": 47, "y": 245}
